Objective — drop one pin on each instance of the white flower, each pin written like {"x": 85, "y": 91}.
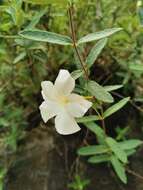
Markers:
{"x": 60, "y": 102}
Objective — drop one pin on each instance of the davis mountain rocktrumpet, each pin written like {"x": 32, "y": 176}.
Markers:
{"x": 59, "y": 101}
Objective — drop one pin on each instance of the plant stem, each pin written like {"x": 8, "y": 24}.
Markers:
{"x": 7, "y": 36}
{"x": 70, "y": 10}
{"x": 102, "y": 121}
{"x": 134, "y": 174}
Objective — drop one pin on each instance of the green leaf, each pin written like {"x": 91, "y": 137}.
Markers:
{"x": 97, "y": 130}
{"x": 115, "y": 107}
{"x": 98, "y": 35}
{"x": 36, "y": 19}
{"x": 20, "y": 57}
{"x": 76, "y": 74}
{"x": 115, "y": 147}
{"x": 12, "y": 12}
{"x": 130, "y": 144}
{"x": 99, "y": 92}
{"x": 93, "y": 149}
{"x": 119, "y": 169}
{"x": 112, "y": 87}
{"x": 122, "y": 133}
{"x": 45, "y": 36}
{"x": 3, "y": 172}
{"x": 136, "y": 67}
{"x": 130, "y": 152}
{"x": 86, "y": 119}
{"x": 95, "y": 51}
{"x": 45, "y": 2}
{"x": 99, "y": 159}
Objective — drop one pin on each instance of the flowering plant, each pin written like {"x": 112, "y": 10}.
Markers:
{"x": 69, "y": 108}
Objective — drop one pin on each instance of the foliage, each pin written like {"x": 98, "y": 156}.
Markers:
{"x": 79, "y": 184}
{"x": 109, "y": 150}
{"x": 114, "y": 32}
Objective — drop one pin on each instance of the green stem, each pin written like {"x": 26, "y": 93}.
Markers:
{"x": 7, "y": 36}
{"x": 102, "y": 121}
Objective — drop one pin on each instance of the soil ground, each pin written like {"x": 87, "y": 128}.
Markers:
{"x": 43, "y": 164}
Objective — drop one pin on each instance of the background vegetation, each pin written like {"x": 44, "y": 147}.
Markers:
{"x": 25, "y": 63}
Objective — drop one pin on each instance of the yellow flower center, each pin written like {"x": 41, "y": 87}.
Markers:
{"x": 63, "y": 100}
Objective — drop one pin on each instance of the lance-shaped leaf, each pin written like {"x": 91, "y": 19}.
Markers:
{"x": 110, "y": 88}
{"x": 136, "y": 67}
{"x": 20, "y": 57}
{"x": 86, "y": 119}
{"x": 100, "y": 134}
{"x": 118, "y": 151}
{"x": 119, "y": 169}
{"x": 45, "y": 36}
{"x": 95, "y": 129}
{"x": 99, "y": 92}
{"x": 77, "y": 74}
{"x": 36, "y": 19}
{"x": 130, "y": 144}
{"x": 93, "y": 149}
{"x": 95, "y": 51}
{"x": 130, "y": 152}
{"x": 47, "y": 2}
{"x": 99, "y": 159}
{"x": 98, "y": 35}
{"x": 115, "y": 107}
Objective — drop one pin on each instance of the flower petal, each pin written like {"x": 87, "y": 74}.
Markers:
{"x": 48, "y": 110}
{"x": 64, "y": 82}
{"x": 48, "y": 90}
{"x": 77, "y": 105}
{"x": 65, "y": 124}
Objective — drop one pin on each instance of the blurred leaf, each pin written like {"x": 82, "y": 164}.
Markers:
{"x": 99, "y": 92}
{"x": 122, "y": 132}
{"x": 12, "y": 11}
{"x": 88, "y": 119}
{"x": 99, "y": 159}
{"x": 115, "y": 147}
{"x": 78, "y": 183}
{"x": 130, "y": 144}
{"x": 98, "y": 35}
{"x": 115, "y": 107}
{"x": 95, "y": 51}
{"x": 140, "y": 14}
{"x": 20, "y": 57}
{"x": 99, "y": 132}
{"x": 93, "y": 149}
{"x": 45, "y": 2}
{"x": 119, "y": 169}
{"x": 36, "y": 19}
{"x": 130, "y": 152}
{"x": 3, "y": 172}
{"x": 136, "y": 67}
{"x": 95, "y": 128}
{"x": 77, "y": 73}
{"x": 44, "y": 36}
{"x": 110, "y": 88}
{"x": 16, "y": 13}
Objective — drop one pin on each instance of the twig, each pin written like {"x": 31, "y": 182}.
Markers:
{"x": 134, "y": 174}
{"x": 101, "y": 117}
{"x": 70, "y": 10}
